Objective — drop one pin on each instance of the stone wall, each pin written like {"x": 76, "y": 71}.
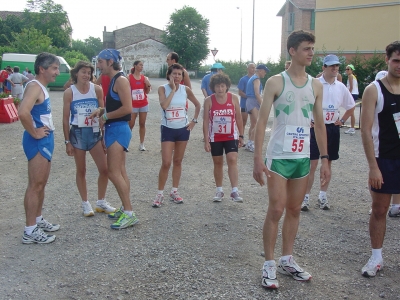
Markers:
{"x": 151, "y": 52}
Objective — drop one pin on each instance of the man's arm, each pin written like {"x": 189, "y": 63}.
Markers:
{"x": 271, "y": 87}
{"x": 238, "y": 118}
{"x": 256, "y": 85}
{"x": 206, "y": 120}
{"x": 242, "y": 89}
{"x": 370, "y": 98}
{"x": 320, "y": 131}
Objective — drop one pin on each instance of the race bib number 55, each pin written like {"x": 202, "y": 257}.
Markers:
{"x": 297, "y": 139}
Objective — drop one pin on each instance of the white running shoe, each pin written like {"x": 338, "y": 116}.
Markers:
{"x": 372, "y": 267}
{"x": 269, "y": 276}
{"x": 37, "y": 236}
{"x": 47, "y": 226}
{"x": 158, "y": 200}
{"x": 323, "y": 203}
{"x": 142, "y": 147}
{"x": 394, "y": 211}
{"x": 105, "y": 207}
{"x": 291, "y": 268}
{"x": 351, "y": 131}
{"x": 305, "y": 205}
{"x": 218, "y": 196}
{"x": 236, "y": 197}
{"x": 87, "y": 209}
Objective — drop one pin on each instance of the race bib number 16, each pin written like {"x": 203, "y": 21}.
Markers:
{"x": 297, "y": 139}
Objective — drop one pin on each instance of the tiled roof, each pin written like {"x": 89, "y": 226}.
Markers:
{"x": 300, "y": 4}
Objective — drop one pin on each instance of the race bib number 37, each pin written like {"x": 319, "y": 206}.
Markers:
{"x": 297, "y": 139}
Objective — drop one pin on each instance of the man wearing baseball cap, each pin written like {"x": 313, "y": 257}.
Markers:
{"x": 205, "y": 83}
{"x": 254, "y": 100}
{"x": 335, "y": 95}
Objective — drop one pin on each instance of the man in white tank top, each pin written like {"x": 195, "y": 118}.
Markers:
{"x": 294, "y": 95}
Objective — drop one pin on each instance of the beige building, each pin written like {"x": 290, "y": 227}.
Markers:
{"x": 363, "y": 26}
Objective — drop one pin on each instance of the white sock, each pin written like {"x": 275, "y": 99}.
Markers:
{"x": 269, "y": 263}
{"x": 38, "y": 219}
{"x": 235, "y": 189}
{"x": 322, "y": 194}
{"x": 160, "y": 192}
{"x": 29, "y": 229}
{"x": 101, "y": 201}
{"x": 128, "y": 212}
{"x": 377, "y": 254}
{"x": 219, "y": 189}
{"x": 173, "y": 190}
{"x": 285, "y": 259}
{"x": 307, "y": 197}
{"x": 395, "y": 206}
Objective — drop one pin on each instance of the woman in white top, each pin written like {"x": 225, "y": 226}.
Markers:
{"x": 352, "y": 85}
{"x": 80, "y": 100}
{"x": 175, "y": 130}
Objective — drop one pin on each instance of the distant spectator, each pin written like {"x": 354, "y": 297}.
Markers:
{"x": 17, "y": 79}
{"x": 352, "y": 85}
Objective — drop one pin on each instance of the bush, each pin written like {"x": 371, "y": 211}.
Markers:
{"x": 163, "y": 71}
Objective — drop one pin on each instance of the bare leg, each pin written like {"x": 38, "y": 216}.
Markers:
{"x": 244, "y": 119}
{"x": 80, "y": 177}
{"x": 179, "y": 152}
{"x": 324, "y": 188}
{"x": 133, "y": 120}
{"x": 313, "y": 167}
{"x": 377, "y": 221}
{"x": 166, "y": 153}
{"x": 38, "y": 173}
{"x": 218, "y": 169}
{"x": 117, "y": 173}
{"x": 295, "y": 191}
{"x": 100, "y": 160}
{"x": 253, "y": 121}
{"x": 142, "y": 126}
{"x": 277, "y": 201}
{"x": 233, "y": 173}
{"x": 396, "y": 199}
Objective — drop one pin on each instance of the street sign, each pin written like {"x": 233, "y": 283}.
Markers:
{"x": 214, "y": 52}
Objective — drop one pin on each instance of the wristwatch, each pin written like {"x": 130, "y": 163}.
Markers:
{"x": 194, "y": 120}
{"x": 66, "y": 142}
{"x": 324, "y": 156}
{"x": 342, "y": 121}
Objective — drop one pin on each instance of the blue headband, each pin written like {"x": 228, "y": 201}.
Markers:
{"x": 109, "y": 54}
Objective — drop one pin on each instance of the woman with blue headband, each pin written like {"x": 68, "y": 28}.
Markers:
{"x": 115, "y": 117}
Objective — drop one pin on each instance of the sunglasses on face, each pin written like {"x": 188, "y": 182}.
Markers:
{"x": 347, "y": 69}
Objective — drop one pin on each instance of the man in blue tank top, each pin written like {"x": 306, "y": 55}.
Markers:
{"x": 38, "y": 144}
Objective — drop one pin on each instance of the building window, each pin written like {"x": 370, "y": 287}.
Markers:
{"x": 312, "y": 23}
{"x": 291, "y": 22}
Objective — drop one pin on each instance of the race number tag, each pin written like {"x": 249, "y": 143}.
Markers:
{"x": 330, "y": 114}
{"x": 222, "y": 125}
{"x": 84, "y": 121}
{"x": 175, "y": 114}
{"x": 396, "y": 118}
{"x": 297, "y": 139}
{"x": 137, "y": 94}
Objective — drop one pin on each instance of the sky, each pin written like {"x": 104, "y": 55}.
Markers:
{"x": 89, "y": 17}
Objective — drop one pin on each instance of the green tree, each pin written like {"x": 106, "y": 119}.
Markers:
{"x": 89, "y": 47}
{"x": 31, "y": 40}
{"x": 51, "y": 19}
{"x": 187, "y": 35}
{"x": 7, "y": 26}
{"x": 72, "y": 57}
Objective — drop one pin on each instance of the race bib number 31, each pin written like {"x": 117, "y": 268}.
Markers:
{"x": 222, "y": 125}
{"x": 84, "y": 121}
{"x": 297, "y": 139}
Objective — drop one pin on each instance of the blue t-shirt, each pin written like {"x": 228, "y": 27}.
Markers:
{"x": 250, "y": 87}
{"x": 242, "y": 86}
{"x": 205, "y": 83}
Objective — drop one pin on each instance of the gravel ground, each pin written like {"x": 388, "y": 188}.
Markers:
{"x": 198, "y": 250}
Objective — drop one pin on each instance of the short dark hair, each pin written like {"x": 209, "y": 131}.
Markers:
{"x": 392, "y": 47}
{"x": 16, "y": 69}
{"x": 44, "y": 60}
{"x": 175, "y": 56}
{"x": 177, "y": 67}
{"x": 218, "y": 79}
{"x": 79, "y": 65}
{"x": 297, "y": 37}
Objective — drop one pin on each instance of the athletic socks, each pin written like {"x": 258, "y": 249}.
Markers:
{"x": 173, "y": 190}
{"x": 38, "y": 219}
{"x": 128, "y": 212}
{"x": 307, "y": 197}
{"x": 235, "y": 189}
{"x": 219, "y": 189}
{"x": 322, "y": 194}
{"x": 160, "y": 192}
{"x": 29, "y": 229}
{"x": 377, "y": 254}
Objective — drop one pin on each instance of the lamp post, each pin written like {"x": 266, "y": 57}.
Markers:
{"x": 252, "y": 41}
{"x": 241, "y": 33}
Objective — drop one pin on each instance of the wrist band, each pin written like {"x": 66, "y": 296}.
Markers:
{"x": 324, "y": 156}
{"x": 241, "y": 136}
{"x": 105, "y": 117}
